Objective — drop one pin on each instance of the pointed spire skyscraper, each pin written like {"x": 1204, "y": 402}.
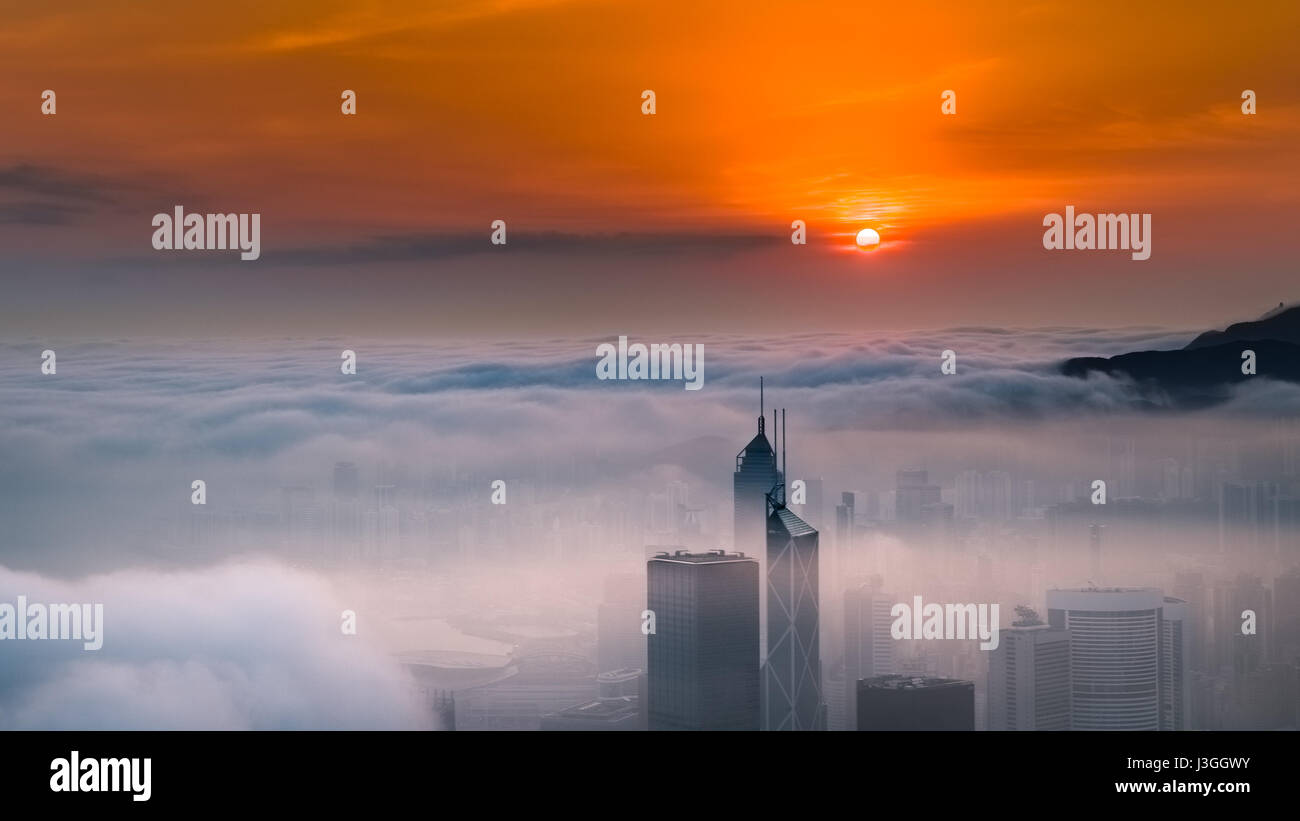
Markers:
{"x": 756, "y": 474}
{"x": 792, "y": 677}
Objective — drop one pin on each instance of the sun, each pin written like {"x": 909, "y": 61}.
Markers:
{"x": 868, "y": 238}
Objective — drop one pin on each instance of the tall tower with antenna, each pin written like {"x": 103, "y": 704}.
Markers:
{"x": 756, "y": 474}
{"x": 792, "y": 680}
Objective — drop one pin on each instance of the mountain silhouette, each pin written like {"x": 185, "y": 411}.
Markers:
{"x": 1203, "y": 372}
{"x": 1281, "y": 324}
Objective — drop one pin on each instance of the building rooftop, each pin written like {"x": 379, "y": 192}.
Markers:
{"x": 791, "y": 523}
{"x": 602, "y": 710}
{"x": 904, "y": 682}
{"x": 711, "y": 557}
{"x": 620, "y": 675}
{"x": 1103, "y": 590}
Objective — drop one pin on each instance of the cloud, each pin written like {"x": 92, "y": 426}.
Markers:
{"x": 425, "y": 247}
{"x": 40, "y": 213}
{"x": 227, "y": 648}
{"x": 41, "y": 195}
{"x": 29, "y": 179}
{"x": 99, "y": 458}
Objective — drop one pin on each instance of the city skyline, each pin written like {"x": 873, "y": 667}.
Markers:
{"x": 576, "y": 365}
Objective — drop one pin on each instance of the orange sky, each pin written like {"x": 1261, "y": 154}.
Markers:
{"x": 530, "y": 111}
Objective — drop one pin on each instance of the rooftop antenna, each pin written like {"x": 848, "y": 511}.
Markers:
{"x": 762, "y": 412}
{"x": 784, "y": 464}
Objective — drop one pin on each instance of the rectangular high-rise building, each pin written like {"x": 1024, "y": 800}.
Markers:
{"x": 1127, "y": 666}
{"x": 914, "y": 495}
{"x": 844, "y": 516}
{"x": 347, "y": 480}
{"x": 1029, "y": 679}
{"x": 869, "y": 647}
{"x": 703, "y": 655}
{"x": 1190, "y": 587}
{"x": 1286, "y": 617}
{"x": 1235, "y": 653}
{"x": 1175, "y": 648}
{"x": 915, "y": 703}
{"x": 984, "y": 495}
{"x": 792, "y": 679}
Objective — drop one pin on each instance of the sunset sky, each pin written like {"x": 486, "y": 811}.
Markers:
{"x": 624, "y": 223}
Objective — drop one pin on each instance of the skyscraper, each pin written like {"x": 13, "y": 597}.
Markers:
{"x": 1175, "y": 648}
{"x": 915, "y": 703}
{"x": 756, "y": 474}
{"x": 1190, "y": 587}
{"x": 914, "y": 495}
{"x": 813, "y": 509}
{"x": 983, "y": 495}
{"x": 844, "y": 522}
{"x": 347, "y": 480}
{"x": 703, "y": 655}
{"x": 619, "y": 641}
{"x": 1123, "y": 671}
{"x": 1094, "y": 552}
{"x": 1029, "y": 678}
{"x": 792, "y": 680}
{"x": 1286, "y": 617}
{"x": 869, "y": 647}
{"x": 1238, "y": 653}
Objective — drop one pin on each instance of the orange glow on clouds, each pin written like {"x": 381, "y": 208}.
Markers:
{"x": 474, "y": 110}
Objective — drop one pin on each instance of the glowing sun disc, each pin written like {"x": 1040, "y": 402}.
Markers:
{"x": 867, "y": 237}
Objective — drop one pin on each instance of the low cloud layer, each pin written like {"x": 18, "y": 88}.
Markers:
{"x": 228, "y": 648}
{"x": 119, "y": 433}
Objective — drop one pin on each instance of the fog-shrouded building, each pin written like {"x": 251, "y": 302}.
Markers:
{"x": 814, "y": 509}
{"x": 792, "y": 680}
{"x": 617, "y": 706}
{"x": 756, "y": 474}
{"x": 1128, "y": 656}
{"x": 347, "y": 480}
{"x": 1175, "y": 648}
{"x": 844, "y": 520}
{"x": 1237, "y": 654}
{"x": 1286, "y": 617}
{"x": 703, "y": 654}
{"x": 1029, "y": 679}
{"x": 869, "y": 647}
{"x": 915, "y": 497}
{"x": 904, "y": 702}
{"x": 619, "y": 641}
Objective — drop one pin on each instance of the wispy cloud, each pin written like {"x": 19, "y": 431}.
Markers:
{"x": 239, "y": 647}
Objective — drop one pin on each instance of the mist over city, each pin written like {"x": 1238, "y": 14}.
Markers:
{"x": 404, "y": 403}
{"x": 475, "y": 609}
